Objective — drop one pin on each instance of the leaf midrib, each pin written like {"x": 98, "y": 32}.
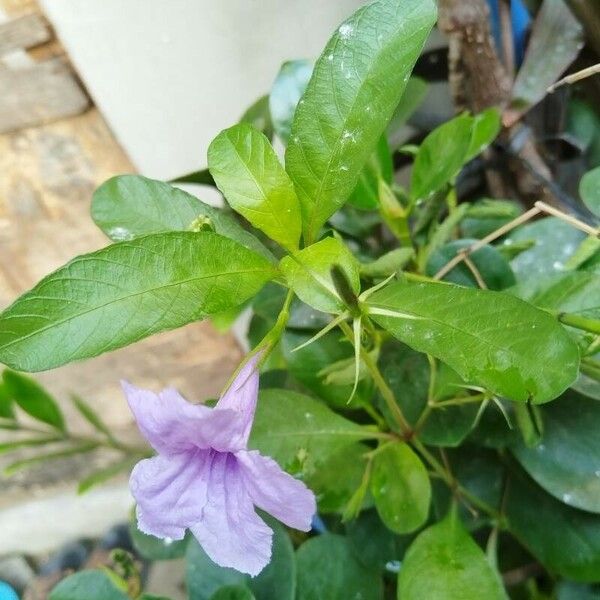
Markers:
{"x": 136, "y": 294}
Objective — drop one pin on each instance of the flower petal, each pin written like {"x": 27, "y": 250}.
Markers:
{"x": 230, "y": 531}
{"x": 171, "y": 492}
{"x": 277, "y": 492}
{"x": 172, "y": 424}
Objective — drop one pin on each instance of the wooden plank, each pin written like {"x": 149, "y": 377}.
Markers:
{"x": 23, "y": 33}
{"x": 44, "y": 92}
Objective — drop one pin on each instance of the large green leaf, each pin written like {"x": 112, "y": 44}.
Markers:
{"x": 373, "y": 544}
{"x": 564, "y": 539}
{"x": 555, "y": 242}
{"x": 88, "y": 585}
{"x": 259, "y": 116}
{"x": 400, "y": 487}
{"x": 153, "y": 548}
{"x": 566, "y": 463}
{"x": 130, "y": 206}
{"x": 6, "y": 403}
{"x": 485, "y": 127}
{"x": 407, "y": 372}
{"x": 573, "y": 292}
{"x": 487, "y": 215}
{"x": 444, "y": 563}
{"x": 491, "y": 265}
{"x": 250, "y": 176}
{"x": 308, "y": 273}
{"x": 327, "y": 570}
{"x": 486, "y": 337}
{"x": 125, "y": 292}
{"x": 204, "y": 577}
{"x": 299, "y": 432}
{"x": 33, "y": 399}
{"x": 335, "y": 480}
{"x": 589, "y": 190}
{"x": 277, "y": 581}
{"x": 556, "y": 39}
{"x": 414, "y": 94}
{"x": 287, "y": 89}
{"x": 233, "y": 592}
{"x": 440, "y": 156}
{"x": 355, "y": 87}
{"x": 379, "y": 166}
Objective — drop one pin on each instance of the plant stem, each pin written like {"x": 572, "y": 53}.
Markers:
{"x": 591, "y": 325}
{"x": 382, "y": 386}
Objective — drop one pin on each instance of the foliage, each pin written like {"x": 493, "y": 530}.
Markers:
{"x": 449, "y": 432}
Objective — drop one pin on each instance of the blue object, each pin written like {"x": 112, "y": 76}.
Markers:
{"x": 317, "y": 525}
{"x": 521, "y": 21}
{"x": 6, "y": 592}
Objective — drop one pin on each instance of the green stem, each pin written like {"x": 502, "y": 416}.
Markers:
{"x": 591, "y": 325}
{"x": 591, "y": 368}
{"x": 452, "y": 483}
{"x": 382, "y": 386}
{"x": 409, "y": 434}
{"x": 459, "y": 401}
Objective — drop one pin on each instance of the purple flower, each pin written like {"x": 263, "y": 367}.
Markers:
{"x": 204, "y": 478}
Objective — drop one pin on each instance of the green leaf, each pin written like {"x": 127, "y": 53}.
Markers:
{"x": 233, "y": 592}
{"x": 308, "y": 273}
{"x": 307, "y": 364}
{"x": 288, "y": 87}
{"x": 356, "y": 85}
{"x": 556, "y": 39}
{"x": 372, "y": 543}
{"x": 574, "y": 292}
{"x": 485, "y": 127}
{"x": 125, "y": 292}
{"x": 7, "y": 447}
{"x": 130, "y": 206}
{"x": 555, "y": 242}
{"x": 6, "y": 403}
{"x": 153, "y": 548}
{"x": 259, "y": 116}
{"x": 336, "y": 479}
{"x": 276, "y": 582}
{"x": 299, "y": 432}
{"x": 204, "y": 577}
{"x": 327, "y": 569}
{"x": 105, "y": 474}
{"x": 489, "y": 262}
{"x": 388, "y": 263}
{"x": 414, "y": 94}
{"x": 400, "y": 487}
{"x": 589, "y": 190}
{"x": 444, "y": 563}
{"x": 202, "y": 177}
{"x": 250, "y": 176}
{"x": 565, "y": 540}
{"x": 440, "y": 157}
{"x": 567, "y": 590}
{"x": 566, "y": 463}
{"x": 407, "y": 373}
{"x": 33, "y": 398}
{"x": 487, "y": 215}
{"x": 379, "y": 166}
{"x": 88, "y": 585}
{"x": 34, "y": 461}
{"x": 485, "y": 336}
{"x": 92, "y": 417}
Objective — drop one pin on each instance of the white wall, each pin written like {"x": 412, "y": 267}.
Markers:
{"x": 170, "y": 74}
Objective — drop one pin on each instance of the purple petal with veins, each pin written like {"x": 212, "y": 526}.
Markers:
{"x": 205, "y": 479}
